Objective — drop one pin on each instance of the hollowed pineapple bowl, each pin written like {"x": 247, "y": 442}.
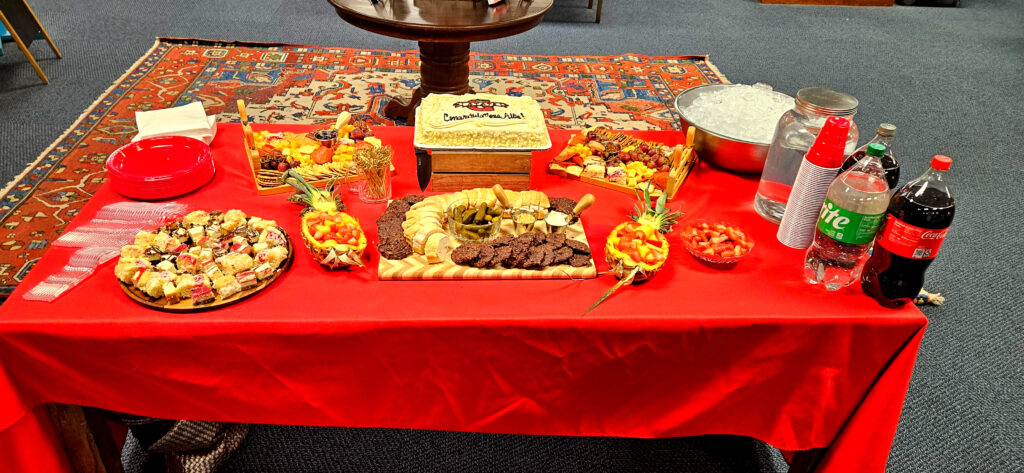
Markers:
{"x": 335, "y": 239}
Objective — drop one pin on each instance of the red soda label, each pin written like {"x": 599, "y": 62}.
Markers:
{"x": 909, "y": 241}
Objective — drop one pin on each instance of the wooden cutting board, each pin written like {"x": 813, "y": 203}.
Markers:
{"x": 416, "y": 267}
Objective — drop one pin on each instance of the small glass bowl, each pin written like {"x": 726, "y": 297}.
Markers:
{"x": 485, "y": 231}
{"x": 713, "y": 259}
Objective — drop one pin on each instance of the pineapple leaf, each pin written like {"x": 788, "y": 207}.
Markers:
{"x": 647, "y": 196}
{"x": 622, "y": 282}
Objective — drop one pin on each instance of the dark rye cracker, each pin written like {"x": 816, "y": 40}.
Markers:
{"x": 534, "y": 258}
{"x": 485, "y": 257}
{"x": 562, "y": 255}
{"x": 578, "y": 247}
{"x": 579, "y": 261}
{"x": 502, "y": 254}
{"x": 562, "y": 204}
{"x": 503, "y": 240}
{"x": 466, "y": 254}
{"x": 549, "y": 254}
{"x": 399, "y": 206}
{"x": 395, "y": 249}
{"x": 555, "y": 239}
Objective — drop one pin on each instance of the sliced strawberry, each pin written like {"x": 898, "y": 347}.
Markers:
{"x": 719, "y": 248}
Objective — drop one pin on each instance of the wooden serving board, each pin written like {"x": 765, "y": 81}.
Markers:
{"x": 678, "y": 171}
{"x": 416, "y": 267}
{"x": 186, "y": 305}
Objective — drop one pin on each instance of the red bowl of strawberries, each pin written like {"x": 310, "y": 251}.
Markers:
{"x": 716, "y": 242}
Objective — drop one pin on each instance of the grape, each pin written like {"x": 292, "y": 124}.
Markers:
{"x": 644, "y": 147}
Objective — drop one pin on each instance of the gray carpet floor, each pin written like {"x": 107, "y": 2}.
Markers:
{"x": 950, "y": 79}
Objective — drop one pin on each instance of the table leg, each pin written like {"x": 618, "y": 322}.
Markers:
{"x": 444, "y": 69}
{"x": 87, "y": 439}
{"x": 806, "y": 461}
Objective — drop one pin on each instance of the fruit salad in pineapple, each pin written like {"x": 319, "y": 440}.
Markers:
{"x": 637, "y": 249}
{"x": 335, "y": 238}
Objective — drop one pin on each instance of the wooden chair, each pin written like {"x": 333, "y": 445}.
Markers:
{"x": 600, "y": 3}
{"x": 21, "y": 22}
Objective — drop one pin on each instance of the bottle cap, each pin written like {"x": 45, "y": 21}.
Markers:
{"x": 941, "y": 162}
{"x": 887, "y": 129}
{"x": 876, "y": 149}
{"x": 829, "y": 147}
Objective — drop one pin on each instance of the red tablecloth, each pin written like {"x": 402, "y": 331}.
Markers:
{"x": 750, "y": 351}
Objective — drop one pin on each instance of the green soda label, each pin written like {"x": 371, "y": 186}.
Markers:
{"x": 847, "y": 226}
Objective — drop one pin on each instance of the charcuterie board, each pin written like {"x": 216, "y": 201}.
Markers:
{"x": 416, "y": 266}
{"x": 484, "y": 233}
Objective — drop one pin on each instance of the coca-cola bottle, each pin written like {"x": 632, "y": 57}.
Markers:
{"x": 886, "y": 133}
{"x": 916, "y": 223}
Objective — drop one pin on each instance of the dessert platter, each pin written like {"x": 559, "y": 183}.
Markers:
{"x": 484, "y": 233}
{"x": 318, "y": 156}
{"x": 203, "y": 260}
{"x": 621, "y": 162}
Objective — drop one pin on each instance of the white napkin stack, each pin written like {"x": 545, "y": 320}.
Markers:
{"x": 187, "y": 120}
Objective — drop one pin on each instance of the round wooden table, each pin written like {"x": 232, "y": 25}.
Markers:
{"x": 444, "y": 29}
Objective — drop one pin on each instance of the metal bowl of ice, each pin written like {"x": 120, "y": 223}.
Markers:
{"x": 734, "y": 122}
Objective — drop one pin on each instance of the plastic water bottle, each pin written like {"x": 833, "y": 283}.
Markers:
{"x": 853, "y": 211}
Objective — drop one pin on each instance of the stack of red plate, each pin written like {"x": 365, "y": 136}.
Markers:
{"x": 160, "y": 167}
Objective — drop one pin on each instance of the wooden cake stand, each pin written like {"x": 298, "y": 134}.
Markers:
{"x": 444, "y": 30}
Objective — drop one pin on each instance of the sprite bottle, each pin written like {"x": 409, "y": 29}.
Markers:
{"x": 853, "y": 211}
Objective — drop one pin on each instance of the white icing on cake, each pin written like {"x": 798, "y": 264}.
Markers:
{"x": 480, "y": 121}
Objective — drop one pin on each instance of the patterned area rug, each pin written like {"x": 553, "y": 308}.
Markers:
{"x": 308, "y": 84}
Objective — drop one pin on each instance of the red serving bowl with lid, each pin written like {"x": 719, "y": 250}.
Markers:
{"x": 160, "y": 167}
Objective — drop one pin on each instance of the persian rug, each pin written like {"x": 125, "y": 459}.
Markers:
{"x": 310, "y": 84}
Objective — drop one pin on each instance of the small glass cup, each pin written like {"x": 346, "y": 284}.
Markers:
{"x": 557, "y": 222}
{"x": 376, "y": 186}
{"x": 524, "y": 220}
